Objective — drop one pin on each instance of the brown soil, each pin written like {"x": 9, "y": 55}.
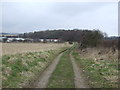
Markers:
{"x": 79, "y": 79}
{"x": 44, "y": 78}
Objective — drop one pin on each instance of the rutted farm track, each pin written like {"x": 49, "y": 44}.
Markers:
{"x": 62, "y": 68}
{"x": 44, "y": 78}
{"x": 79, "y": 79}
{"x": 68, "y": 70}
{"x": 56, "y": 76}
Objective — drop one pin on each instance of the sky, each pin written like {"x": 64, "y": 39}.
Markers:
{"x": 21, "y": 17}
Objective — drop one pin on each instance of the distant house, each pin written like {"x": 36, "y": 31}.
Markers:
{"x": 49, "y": 40}
{"x": 52, "y": 40}
{"x": 15, "y": 40}
{"x": 41, "y": 40}
{"x": 20, "y": 39}
{"x": 10, "y": 40}
{"x": 55, "y": 40}
{"x": 3, "y": 39}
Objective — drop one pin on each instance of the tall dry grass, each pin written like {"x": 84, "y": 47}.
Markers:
{"x": 15, "y": 48}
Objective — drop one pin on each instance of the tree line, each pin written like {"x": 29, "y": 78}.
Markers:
{"x": 85, "y": 37}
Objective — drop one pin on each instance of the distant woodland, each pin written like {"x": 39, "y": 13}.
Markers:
{"x": 91, "y": 38}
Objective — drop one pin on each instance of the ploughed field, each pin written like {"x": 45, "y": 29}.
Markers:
{"x": 15, "y": 48}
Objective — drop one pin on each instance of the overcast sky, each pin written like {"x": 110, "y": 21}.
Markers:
{"x": 27, "y": 17}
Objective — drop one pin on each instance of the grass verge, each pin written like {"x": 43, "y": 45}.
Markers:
{"x": 21, "y": 69}
{"x": 103, "y": 74}
{"x": 63, "y": 76}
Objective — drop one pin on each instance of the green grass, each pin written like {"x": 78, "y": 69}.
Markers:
{"x": 63, "y": 76}
{"x": 21, "y": 69}
{"x": 100, "y": 75}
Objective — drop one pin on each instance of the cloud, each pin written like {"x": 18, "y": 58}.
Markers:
{"x": 25, "y": 17}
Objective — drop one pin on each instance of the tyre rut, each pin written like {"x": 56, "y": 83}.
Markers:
{"x": 44, "y": 77}
{"x": 79, "y": 79}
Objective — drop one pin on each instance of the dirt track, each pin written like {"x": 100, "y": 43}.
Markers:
{"x": 44, "y": 78}
{"x": 79, "y": 79}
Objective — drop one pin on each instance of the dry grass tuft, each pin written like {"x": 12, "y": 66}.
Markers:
{"x": 99, "y": 54}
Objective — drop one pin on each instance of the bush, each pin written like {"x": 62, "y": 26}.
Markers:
{"x": 109, "y": 44}
{"x": 91, "y": 39}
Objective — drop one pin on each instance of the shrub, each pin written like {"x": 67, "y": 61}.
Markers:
{"x": 91, "y": 39}
{"x": 109, "y": 44}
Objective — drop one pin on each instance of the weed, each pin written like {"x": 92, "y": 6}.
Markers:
{"x": 99, "y": 73}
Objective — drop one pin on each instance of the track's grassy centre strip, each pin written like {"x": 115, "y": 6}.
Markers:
{"x": 63, "y": 76}
{"x": 103, "y": 74}
{"x": 21, "y": 69}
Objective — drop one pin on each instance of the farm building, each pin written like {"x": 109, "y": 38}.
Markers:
{"x": 2, "y": 39}
{"x": 41, "y": 40}
{"x": 49, "y": 40}
{"x": 14, "y": 37}
{"x": 15, "y": 40}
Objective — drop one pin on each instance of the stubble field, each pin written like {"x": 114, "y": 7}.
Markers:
{"x": 15, "y": 48}
{"x": 22, "y": 63}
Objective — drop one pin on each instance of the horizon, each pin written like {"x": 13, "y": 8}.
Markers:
{"x": 53, "y": 30}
